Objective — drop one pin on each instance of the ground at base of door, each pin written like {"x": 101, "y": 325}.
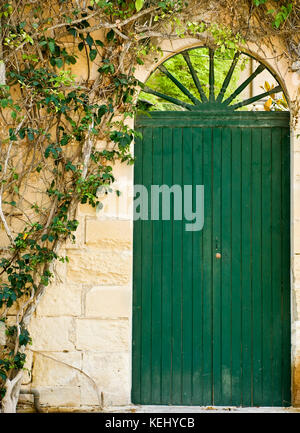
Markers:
{"x": 199, "y": 409}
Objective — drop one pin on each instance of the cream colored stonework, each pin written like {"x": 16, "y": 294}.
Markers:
{"x": 108, "y": 302}
{"x": 84, "y": 267}
{"x": 84, "y": 319}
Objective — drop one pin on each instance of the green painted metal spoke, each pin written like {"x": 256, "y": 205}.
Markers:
{"x": 256, "y": 98}
{"x": 211, "y": 76}
{"x": 175, "y": 101}
{"x": 194, "y": 75}
{"x": 228, "y": 77}
{"x": 180, "y": 86}
{"x": 244, "y": 84}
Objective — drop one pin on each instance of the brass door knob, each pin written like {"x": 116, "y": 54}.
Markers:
{"x": 218, "y": 255}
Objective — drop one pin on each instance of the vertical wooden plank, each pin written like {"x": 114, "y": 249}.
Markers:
{"x": 286, "y": 284}
{"x": 177, "y": 277}
{"x": 236, "y": 267}
{"x": 246, "y": 269}
{"x": 187, "y": 265}
{"x": 256, "y": 255}
{"x": 137, "y": 283}
{"x": 157, "y": 275}
{"x": 266, "y": 266}
{"x": 217, "y": 248}
{"x": 207, "y": 268}
{"x": 226, "y": 266}
{"x": 197, "y": 276}
{"x": 167, "y": 246}
{"x": 276, "y": 266}
{"x": 146, "y": 288}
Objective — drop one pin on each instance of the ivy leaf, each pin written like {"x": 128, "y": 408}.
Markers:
{"x": 81, "y": 46}
{"x": 30, "y": 136}
{"x": 59, "y": 63}
{"x": 72, "y": 32}
{"x": 89, "y": 40}
{"x": 110, "y": 35}
{"x": 51, "y": 46}
{"x": 93, "y": 54}
{"x": 139, "y": 4}
{"x": 24, "y": 338}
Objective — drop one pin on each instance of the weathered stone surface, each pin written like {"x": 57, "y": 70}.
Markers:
{"x": 2, "y": 334}
{"x": 4, "y": 240}
{"x": 114, "y": 205}
{"x": 111, "y": 373}
{"x": 296, "y": 269}
{"x": 98, "y": 267}
{"x": 296, "y": 236}
{"x": 102, "y": 335}
{"x": 60, "y": 396}
{"x": 86, "y": 209}
{"x": 296, "y": 295}
{"x": 108, "y": 302}
{"x": 27, "y": 367}
{"x": 48, "y": 372}
{"x": 109, "y": 233}
{"x": 51, "y": 333}
{"x": 296, "y": 192}
{"x": 61, "y": 300}
{"x": 296, "y": 362}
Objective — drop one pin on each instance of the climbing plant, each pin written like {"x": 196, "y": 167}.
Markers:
{"x": 54, "y": 115}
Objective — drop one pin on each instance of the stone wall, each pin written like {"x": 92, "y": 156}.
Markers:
{"x": 84, "y": 319}
{"x": 81, "y": 353}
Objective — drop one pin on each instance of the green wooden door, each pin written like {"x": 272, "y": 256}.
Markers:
{"x": 208, "y": 330}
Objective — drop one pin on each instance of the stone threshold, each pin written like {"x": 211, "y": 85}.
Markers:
{"x": 197, "y": 409}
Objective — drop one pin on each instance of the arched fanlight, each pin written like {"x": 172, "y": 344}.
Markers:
{"x": 211, "y": 102}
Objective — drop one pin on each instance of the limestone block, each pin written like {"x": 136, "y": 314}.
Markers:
{"x": 296, "y": 236}
{"x": 296, "y": 138}
{"x": 118, "y": 205}
{"x": 91, "y": 266}
{"x": 60, "y": 396}
{"x": 102, "y": 335}
{"x": 51, "y": 333}
{"x": 48, "y": 372}
{"x": 86, "y": 210}
{"x": 296, "y": 200}
{"x": 109, "y": 233}
{"x": 111, "y": 373}
{"x": 16, "y": 226}
{"x": 108, "y": 302}
{"x": 2, "y": 334}
{"x": 61, "y": 300}
{"x": 296, "y": 269}
{"x": 4, "y": 240}
{"x": 297, "y": 301}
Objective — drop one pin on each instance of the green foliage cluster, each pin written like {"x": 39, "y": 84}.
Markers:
{"x": 280, "y": 13}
